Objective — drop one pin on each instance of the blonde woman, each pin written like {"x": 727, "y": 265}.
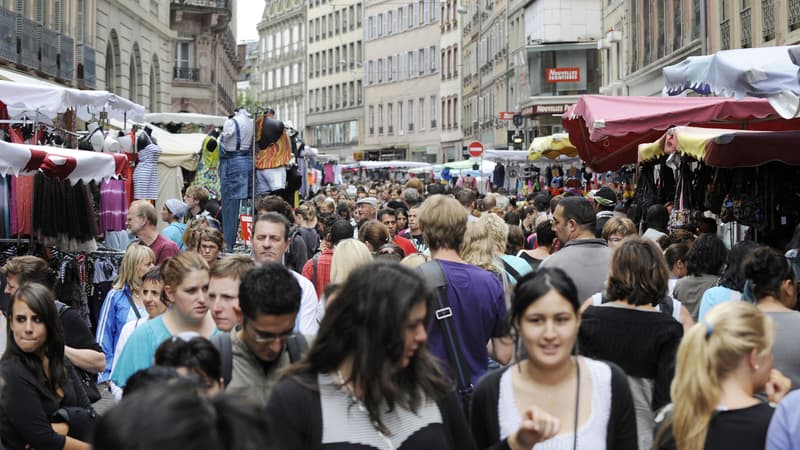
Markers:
{"x": 348, "y": 255}
{"x": 121, "y": 305}
{"x": 722, "y": 362}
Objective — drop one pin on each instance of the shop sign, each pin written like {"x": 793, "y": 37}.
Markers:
{"x": 563, "y": 74}
{"x": 536, "y": 110}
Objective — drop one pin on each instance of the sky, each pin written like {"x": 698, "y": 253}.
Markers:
{"x": 248, "y": 14}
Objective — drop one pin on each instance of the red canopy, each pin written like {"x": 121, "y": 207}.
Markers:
{"x": 753, "y": 149}
{"x": 607, "y": 130}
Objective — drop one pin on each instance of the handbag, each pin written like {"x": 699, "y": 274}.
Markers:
{"x": 87, "y": 382}
{"x": 682, "y": 216}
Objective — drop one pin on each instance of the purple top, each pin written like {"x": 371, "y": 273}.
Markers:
{"x": 479, "y": 310}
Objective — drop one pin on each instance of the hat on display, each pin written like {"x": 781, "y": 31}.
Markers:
{"x": 605, "y": 196}
{"x": 176, "y": 207}
{"x": 372, "y": 201}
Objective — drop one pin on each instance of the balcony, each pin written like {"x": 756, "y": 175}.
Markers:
{"x": 391, "y": 130}
{"x": 411, "y": 127}
{"x": 185, "y": 74}
{"x": 380, "y": 130}
{"x": 433, "y": 123}
{"x": 371, "y": 131}
{"x": 768, "y": 19}
{"x": 30, "y": 38}
{"x": 747, "y": 36}
{"x": 66, "y": 58}
{"x": 8, "y": 35}
{"x": 215, "y": 4}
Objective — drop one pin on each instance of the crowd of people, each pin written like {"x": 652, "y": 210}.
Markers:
{"x": 407, "y": 316}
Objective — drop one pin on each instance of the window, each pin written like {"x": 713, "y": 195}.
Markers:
{"x": 360, "y": 92}
{"x": 384, "y": 24}
{"x": 295, "y": 73}
{"x": 380, "y": 25}
{"x": 269, "y": 80}
{"x": 433, "y": 55}
{"x": 434, "y": 10}
{"x": 389, "y": 117}
{"x": 414, "y": 14}
{"x": 369, "y": 73}
{"x": 433, "y": 111}
{"x": 400, "y": 127}
{"x": 411, "y": 115}
{"x": 455, "y": 112}
{"x": 371, "y": 25}
{"x": 454, "y": 66}
{"x": 344, "y": 19}
{"x": 445, "y": 63}
{"x": 338, "y": 97}
{"x": 402, "y": 18}
{"x": 338, "y": 60}
{"x": 426, "y": 12}
{"x": 184, "y": 57}
{"x": 445, "y": 114}
{"x": 421, "y": 113}
{"x": 423, "y": 60}
{"x": 359, "y": 13}
{"x": 410, "y": 60}
{"x": 337, "y": 19}
{"x": 380, "y": 119}
{"x": 352, "y": 95}
{"x": 389, "y": 68}
{"x": 389, "y": 29}
{"x": 352, "y": 11}
{"x": 371, "y": 120}
{"x": 380, "y": 70}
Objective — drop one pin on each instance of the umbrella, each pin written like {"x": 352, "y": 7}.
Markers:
{"x": 551, "y": 147}
{"x": 726, "y": 148}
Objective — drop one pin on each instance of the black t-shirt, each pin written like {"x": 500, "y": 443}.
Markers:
{"x": 76, "y": 331}
{"x": 742, "y": 429}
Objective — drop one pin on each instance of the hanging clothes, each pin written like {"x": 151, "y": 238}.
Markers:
{"x": 23, "y": 195}
{"x": 145, "y": 176}
{"x": 113, "y": 205}
{"x": 328, "y": 177}
{"x": 207, "y": 174}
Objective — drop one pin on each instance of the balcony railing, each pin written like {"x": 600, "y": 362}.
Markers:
{"x": 66, "y": 58}
{"x": 725, "y": 34}
{"x": 8, "y": 35}
{"x": 89, "y": 66}
{"x": 768, "y": 19}
{"x": 29, "y": 51}
{"x": 218, "y": 4}
{"x": 747, "y": 35}
{"x": 185, "y": 74}
{"x": 794, "y": 14}
{"x": 49, "y": 46}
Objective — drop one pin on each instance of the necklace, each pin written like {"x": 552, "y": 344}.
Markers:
{"x": 354, "y": 400}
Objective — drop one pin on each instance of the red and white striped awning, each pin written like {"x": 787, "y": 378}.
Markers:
{"x": 60, "y": 163}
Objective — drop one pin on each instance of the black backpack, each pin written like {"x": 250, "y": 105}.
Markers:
{"x": 296, "y": 346}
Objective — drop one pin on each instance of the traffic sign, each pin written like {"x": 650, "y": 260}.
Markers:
{"x": 475, "y": 149}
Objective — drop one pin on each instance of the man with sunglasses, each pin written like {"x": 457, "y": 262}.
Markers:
{"x": 269, "y": 297}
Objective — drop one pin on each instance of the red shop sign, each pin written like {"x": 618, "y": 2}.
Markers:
{"x": 563, "y": 74}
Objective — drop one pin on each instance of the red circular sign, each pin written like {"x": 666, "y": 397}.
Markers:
{"x": 475, "y": 149}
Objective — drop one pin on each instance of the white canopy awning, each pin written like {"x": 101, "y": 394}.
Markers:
{"x": 24, "y": 97}
{"x": 185, "y": 118}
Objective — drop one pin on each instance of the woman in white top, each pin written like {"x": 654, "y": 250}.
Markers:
{"x": 552, "y": 399}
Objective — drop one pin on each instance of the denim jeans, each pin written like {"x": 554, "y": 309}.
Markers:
{"x": 236, "y": 183}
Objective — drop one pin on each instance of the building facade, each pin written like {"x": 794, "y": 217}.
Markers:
{"x": 206, "y": 64}
{"x": 279, "y": 81}
{"x": 401, "y": 80}
{"x": 492, "y": 65}
{"x": 562, "y": 59}
{"x": 133, "y": 61}
{"x": 335, "y": 96}
{"x": 752, "y": 23}
{"x": 450, "y": 88}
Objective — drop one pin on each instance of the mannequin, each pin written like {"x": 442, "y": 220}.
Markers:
{"x": 145, "y": 176}
{"x": 208, "y": 171}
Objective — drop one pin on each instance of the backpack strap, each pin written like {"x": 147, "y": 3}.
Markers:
{"x": 434, "y": 274}
{"x": 223, "y": 343}
{"x": 133, "y": 305}
{"x": 297, "y": 346}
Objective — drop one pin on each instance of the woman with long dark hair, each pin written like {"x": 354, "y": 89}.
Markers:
{"x": 731, "y": 284}
{"x": 368, "y": 380}
{"x": 44, "y": 406}
{"x": 515, "y": 407}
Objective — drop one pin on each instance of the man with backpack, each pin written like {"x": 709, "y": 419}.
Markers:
{"x": 253, "y": 356}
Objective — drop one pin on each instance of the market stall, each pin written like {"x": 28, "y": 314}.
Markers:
{"x": 608, "y": 130}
